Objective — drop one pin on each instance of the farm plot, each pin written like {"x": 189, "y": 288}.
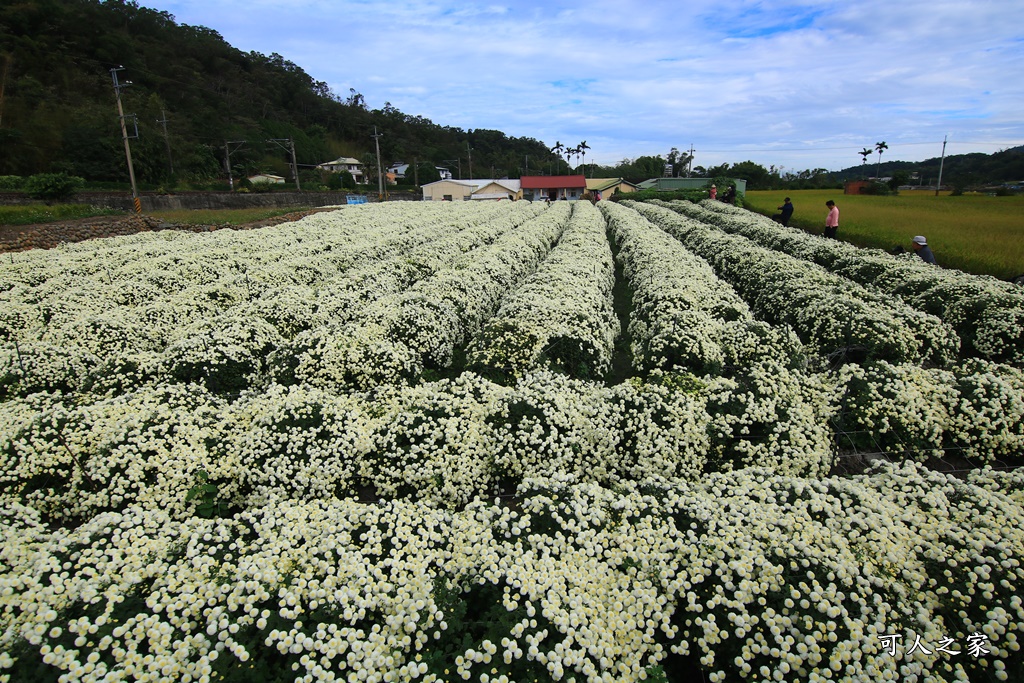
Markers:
{"x": 988, "y": 314}
{"x": 379, "y": 444}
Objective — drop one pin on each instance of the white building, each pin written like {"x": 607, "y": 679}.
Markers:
{"x": 465, "y": 190}
{"x": 401, "y": 168}
{"x": 353, "y": 166}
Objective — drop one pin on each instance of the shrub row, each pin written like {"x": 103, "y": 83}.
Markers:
{"x": 833, "y": 315}
{"x": 562, "y": 316}
{"x": 987, "y": 314}
{"x": 683, "y": 316}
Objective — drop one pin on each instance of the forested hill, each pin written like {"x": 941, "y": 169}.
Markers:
{"x": 58, "y": 113}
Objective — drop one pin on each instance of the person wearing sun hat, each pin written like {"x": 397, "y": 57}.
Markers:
{"x": 923, "y": 250}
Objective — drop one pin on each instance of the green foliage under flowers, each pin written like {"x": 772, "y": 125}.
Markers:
{"x": 204, "y": 494}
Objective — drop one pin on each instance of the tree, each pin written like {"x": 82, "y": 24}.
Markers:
{"x": 756, "y": 175}
{"x": 425, "y": 173}
{"x": 52, "y": 187}
{"x": 583, "y": 147}
{"x": 864, "y": 154}
{"x": 880, "y": 146}
{"x": 898, "y": 178}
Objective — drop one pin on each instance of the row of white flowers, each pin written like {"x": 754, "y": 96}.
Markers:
{"x": 132, "y": 270}
{"x": 987, "y": 313}
{"x": 831, "y": 313}
{"x": 975, "y": 410}
{"x": 898, "y": 575}
{"x": 563, "y": 315}
{"x": 444, "y": 441}
{"x": 683, "y": 316}
{"x": 223, "y": 329}
{"x": 397, "y": 337}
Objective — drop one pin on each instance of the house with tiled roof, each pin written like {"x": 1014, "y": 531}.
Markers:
{"x": 553, "y": 187}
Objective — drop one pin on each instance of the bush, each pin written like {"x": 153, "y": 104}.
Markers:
{"x": 11, "y": 182}
{"x": 53, "y": 186}
{"x": 261, "y": 187}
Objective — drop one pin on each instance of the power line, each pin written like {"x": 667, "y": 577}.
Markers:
{"x": 895, "y": 144}
{"x": 167, "y": 140}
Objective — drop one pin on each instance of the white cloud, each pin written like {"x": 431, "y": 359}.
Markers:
{"x": 800, "y": 83}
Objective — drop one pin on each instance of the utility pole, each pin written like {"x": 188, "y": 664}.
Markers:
{"x": 167, "y": 141}
{"x": 458, "y": 163}
{"x": 380, "y": 177}
{"x": 938, "y": 183}
{"x": 124, "y": 136}
{"x": 470, "y": 151}
{"x": 227, "y": 159}
{"x": 3, "y": 84}
{"x": 295, "y": 165}
{"x": 415, "y": 171}
{"x": 289, "y": 148}
{"x": 689, "y": 162}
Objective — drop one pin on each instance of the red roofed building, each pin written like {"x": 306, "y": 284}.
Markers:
{"x": 553, "y": 187}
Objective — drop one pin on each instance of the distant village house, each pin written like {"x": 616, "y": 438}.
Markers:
{"x": 353, "y": 166}
{"x": 553, "y": 187}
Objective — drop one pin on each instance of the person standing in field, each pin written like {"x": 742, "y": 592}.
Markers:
{"x": 832, "y": 220}
{"x": 923, "y": 250}
{"x": 714, "y": 192}
{"x": 730, "y": 195}
{"x": 785, "y": 212}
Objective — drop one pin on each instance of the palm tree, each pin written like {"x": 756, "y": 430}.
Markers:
{"x": 557, "y": 149}
{"x": 570, "y": 152}
{"x": 879, "y": 146}
{"x": 583, "y": 147}
{"x": 865, "y": 153}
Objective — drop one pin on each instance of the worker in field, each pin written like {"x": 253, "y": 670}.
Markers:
{"x": 832, "y": 220}
{"x": 785, "y": 212}
{"x": 714, "y": 192}
{"x": 923, "y": 250}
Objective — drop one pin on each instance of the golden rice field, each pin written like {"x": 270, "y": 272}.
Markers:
{"x": 976, "y": 233}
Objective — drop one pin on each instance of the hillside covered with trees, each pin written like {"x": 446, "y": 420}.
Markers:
{"x": 194, "y": 98}
{"x": 58, "y": 113}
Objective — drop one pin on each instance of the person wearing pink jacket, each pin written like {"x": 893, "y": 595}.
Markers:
{"x": 832, "y": 220}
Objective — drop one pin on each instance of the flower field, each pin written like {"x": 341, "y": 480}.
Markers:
{"x": 389, "y": 443}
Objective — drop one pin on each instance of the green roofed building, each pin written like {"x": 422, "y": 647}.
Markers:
{"x": 673, "y": 184}
{"x": 608, "y": 187}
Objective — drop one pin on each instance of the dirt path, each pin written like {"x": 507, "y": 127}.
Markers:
{"x": 49, "y": 235}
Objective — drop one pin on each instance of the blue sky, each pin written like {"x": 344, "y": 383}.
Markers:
{"x": 794, "y": 83}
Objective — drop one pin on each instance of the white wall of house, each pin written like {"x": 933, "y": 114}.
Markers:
{"x": 451, "y": 190}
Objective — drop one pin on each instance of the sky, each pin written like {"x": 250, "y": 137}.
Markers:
{"x": 795, "y": 84}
